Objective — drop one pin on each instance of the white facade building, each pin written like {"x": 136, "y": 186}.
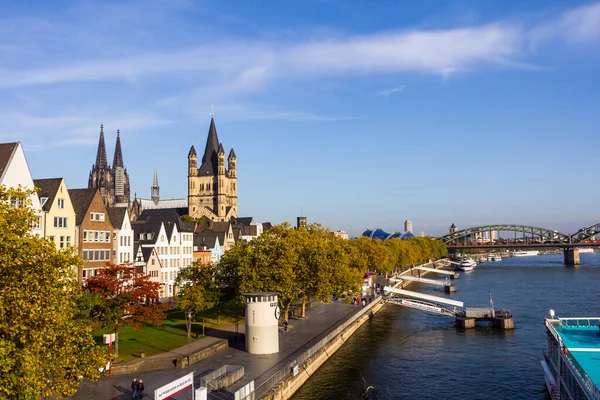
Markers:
{"x": 122, "y": 235}
{"x": 14, "y": 171}
{"x": 408, "y": 226}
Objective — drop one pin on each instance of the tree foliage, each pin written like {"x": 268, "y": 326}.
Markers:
{"x": 125, "y": 297}
{"x": 44, "y": 349}
{"x": 198, "y": 290}
{"x": 312, "y": 262}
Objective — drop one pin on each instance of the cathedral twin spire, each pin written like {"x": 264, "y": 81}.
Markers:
{"x": 113, "y": 182}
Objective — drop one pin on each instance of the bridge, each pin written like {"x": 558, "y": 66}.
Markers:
{"x": 513, "y": 236}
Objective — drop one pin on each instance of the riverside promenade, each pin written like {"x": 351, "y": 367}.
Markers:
{"x": 302, "y": 332}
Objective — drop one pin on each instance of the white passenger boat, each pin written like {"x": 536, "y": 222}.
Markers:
{"x": 524, "y": 253}
{"x": 467, "y": 264}
{"x": 497, "y": 257}
{"x": 586, "y": 250}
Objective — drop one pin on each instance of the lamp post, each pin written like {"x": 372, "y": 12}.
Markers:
{"x": 189, "y": 314}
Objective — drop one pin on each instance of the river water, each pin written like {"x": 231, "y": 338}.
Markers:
{"x": 409, "y": 354}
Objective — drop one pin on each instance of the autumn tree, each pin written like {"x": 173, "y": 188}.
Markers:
{"x": 45, "y": 350}
{"x": 126, "y": 297}
{"x": 198, "y": 290}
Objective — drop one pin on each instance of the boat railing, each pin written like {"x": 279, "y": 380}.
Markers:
{"x": 580, "y": 322}
{"x": 585, "y": 379}
{"x": 551, "y": 325}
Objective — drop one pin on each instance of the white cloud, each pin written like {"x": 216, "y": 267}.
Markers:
{"x": 574, "y": 27}
{"x": 70, "y": 130}
{"x": 387, "y": 92}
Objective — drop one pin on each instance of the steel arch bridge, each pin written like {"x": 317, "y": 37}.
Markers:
{"x": 528, "y": 234}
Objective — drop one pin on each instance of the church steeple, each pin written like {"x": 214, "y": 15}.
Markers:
{"x": 210, "y": 157}
{"x": 155, "y": 188}
{"x": 118, "y": 158}
{"x": 101, "y": 161}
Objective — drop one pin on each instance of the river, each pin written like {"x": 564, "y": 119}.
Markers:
{"x": 409, "y": 354}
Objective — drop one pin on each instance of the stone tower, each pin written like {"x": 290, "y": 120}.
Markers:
{"x": 112, "y": 182}
{"x": 155, "y": 188}
{"x": 212, "y": 188}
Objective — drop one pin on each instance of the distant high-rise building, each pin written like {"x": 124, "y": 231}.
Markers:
{"x": 408, "y": 226}
{"x": 113, "y": 182}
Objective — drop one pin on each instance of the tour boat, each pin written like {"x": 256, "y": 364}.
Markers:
{"x": 467, "y": 265}
{"x": 524, "y": 253}
{"x": 586, "y": 250}
{"x": 570, "y": 364}
{"x": 497, "y": 257}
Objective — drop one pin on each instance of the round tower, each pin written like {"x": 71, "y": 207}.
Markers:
{"x": 262, "y": 321}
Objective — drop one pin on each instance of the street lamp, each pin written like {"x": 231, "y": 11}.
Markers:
{"x": 189, "y": 314}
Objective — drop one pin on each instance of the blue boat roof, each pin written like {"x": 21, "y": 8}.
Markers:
{"x": 583, "y": 343}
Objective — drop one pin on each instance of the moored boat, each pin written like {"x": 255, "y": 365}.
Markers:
{"x": 467, "y": 264}
{"x": 585, "y": 250}
{"x": 525, "y": 253}
{"x": 570, "y": 365}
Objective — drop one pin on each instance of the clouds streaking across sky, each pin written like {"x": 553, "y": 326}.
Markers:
{"x": 362, "y": 114}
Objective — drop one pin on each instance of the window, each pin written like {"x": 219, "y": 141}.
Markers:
{"x": 107, "y": 234}
{"x": 107, "y": 254}
{"x": 96, "y": 255}
{"x": 84, "y": 273}
{"x": 114, "y": 235}
{"x": 96, "y": 236}
{"x": 85, "y": 257}
{"x": 51, "y": 238}
{"x": 153, "y": 261}
{"x": 68, "y": 243}
{"x": 61, "y": 203}
{"x": 85, "y": 236}
{"x": 60, "y": 222}
{"x": 114, "y": 253}
{"x": 62, "y": 242}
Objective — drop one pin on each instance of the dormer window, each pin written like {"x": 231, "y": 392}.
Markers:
{"x": 43, "y": 201}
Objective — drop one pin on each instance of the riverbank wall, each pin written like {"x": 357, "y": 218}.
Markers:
{"x": 301, "y": 365}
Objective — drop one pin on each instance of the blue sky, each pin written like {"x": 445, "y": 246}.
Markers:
{"x": 359, "y": 113}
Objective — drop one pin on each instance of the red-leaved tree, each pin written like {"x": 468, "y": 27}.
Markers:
{"x": 125, "y": 296}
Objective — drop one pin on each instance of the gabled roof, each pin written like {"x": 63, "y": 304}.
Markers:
{"x": 6, "y": 152}
{"x": 81, "y": 200}
{"x": 167, "y": 216}
{"x": 220, "y": 227}
{"x": 147, "y": 253}
{"x": 116, "y": 215}
{"x": 48, "y": 188}
{"x": 266, "y": 226}
{"x": 210, "y": 159}
{"x": 208, "y": 239}
{"x": 244, "y": 221}
{"x": 143, "y": 227}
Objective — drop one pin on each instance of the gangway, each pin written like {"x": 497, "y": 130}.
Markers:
{"x": 448, "y": 286}
{"x": 424, "y": 306}
{"x": 453, "y": 275}
{"x": 423, "y": 296}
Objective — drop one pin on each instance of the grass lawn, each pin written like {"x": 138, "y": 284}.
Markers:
{"x": 172, "y": 333}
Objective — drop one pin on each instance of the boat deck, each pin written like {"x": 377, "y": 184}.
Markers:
{"x": 583, "y": 343}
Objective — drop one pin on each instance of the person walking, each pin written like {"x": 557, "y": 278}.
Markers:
{"x": 140, "y": 391}
{"x": 134, "y": 388}
{"x": 285, "y": 326}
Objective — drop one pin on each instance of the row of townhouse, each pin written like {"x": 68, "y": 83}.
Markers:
{"x": 158, "y": 243}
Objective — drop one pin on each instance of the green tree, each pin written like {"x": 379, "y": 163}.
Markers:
{"x": 44, "y": 350}
{"x": 198, "y": 290}
{"x": 126, "y": 297}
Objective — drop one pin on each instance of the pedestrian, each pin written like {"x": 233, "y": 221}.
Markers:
{"x": 370, "y": 299}
{"x": 134, "y": 388}
{"x": 140, "y": 391}
{"x": 285, "y": 326}
{"x": 363, "y": 302}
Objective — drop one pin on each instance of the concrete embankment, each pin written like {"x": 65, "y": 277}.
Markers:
{"x": 287, "y": 387}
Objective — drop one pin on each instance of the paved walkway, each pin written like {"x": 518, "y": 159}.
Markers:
{"x": 301, "y": 331}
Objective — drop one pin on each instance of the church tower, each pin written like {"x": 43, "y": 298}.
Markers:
{"x": 155, "y": 189}
{"x": 112, "y": 182}
{"x": 212, "y": 190}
